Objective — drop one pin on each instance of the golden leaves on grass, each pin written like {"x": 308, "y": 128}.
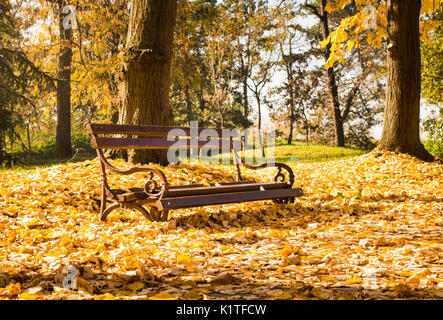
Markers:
{"x": 368, "y": 227}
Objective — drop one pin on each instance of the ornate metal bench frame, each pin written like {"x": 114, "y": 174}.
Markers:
{"x": 159, "y": 195}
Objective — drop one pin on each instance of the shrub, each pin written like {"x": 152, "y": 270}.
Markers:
{"x": 434, "y": 126}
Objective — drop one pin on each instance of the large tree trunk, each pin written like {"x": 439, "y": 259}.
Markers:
{"x": 401, "y": 131}
{"x": 332, "y": 83}
{"x": 144, "y": 90}
{"x": 63, "y": 134}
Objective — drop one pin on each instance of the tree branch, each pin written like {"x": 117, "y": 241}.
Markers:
{"x": 313, "y": 10}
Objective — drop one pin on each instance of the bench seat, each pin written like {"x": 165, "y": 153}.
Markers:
{"x": 225, "y": 198}
{"x": 139, "y": 194}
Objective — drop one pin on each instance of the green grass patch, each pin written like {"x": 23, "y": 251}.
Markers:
{"x": 297, "y": 152}
{"x": 314, "y": 153}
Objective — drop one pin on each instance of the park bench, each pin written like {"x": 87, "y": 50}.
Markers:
{"x": 157, "y": 194}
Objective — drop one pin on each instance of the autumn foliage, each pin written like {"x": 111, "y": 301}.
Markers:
{"x": 368, "y": 227}
{"x": 371, "y": 20}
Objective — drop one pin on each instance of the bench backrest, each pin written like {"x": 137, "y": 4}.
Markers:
{"x": 118, "y": 136}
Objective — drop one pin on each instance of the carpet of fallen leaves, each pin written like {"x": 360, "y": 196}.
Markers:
{"x": 370, "y": 227}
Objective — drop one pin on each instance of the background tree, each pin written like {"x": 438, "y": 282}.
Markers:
{"x": 246, "y": 30}
{"x": 95, "y": 45}
{"x": 358, "y": 84}
{"x": 402, "y": 32}
{"x": 401, "y": 130}
{"x": 432, "y": 64}
{"x": 432, "y": 87}
{"x": 144, "y": 90}
{"x": 267, "y": 22}
{"x": 189, "y": 76}
{"x": 63, "y": 135}
{"x": 204, "y": 70}
{"x": 19, "y": 75}
{"x": 321, "y": 13}
{"x": 292, "y": 86}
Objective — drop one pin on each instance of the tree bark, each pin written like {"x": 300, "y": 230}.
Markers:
{"x": 28, "y": 137}
{"x": 401, "y": 132}
{"x": 332, "y": 83}
{"x": 291, "y": 110}
{"x": 144, "y": 90}
{"x": 260, "y": 137}
{"x": 245, "y": 97}
{"x": 63, "y": 130}
{"x": 291, "y": 128}
{"x": 291, "y": 93}
{"x": 188, "y": 101}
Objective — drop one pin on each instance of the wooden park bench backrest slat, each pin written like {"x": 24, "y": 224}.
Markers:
{"x": 140, "y": 130}
{"x": 156, "y": 143}
{"x": 153, "y": 137}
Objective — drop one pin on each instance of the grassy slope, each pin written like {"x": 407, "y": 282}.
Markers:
{"x": 314, "y": 153}
{"x": 283, "y": 153}
{"x": 300, "y": 152}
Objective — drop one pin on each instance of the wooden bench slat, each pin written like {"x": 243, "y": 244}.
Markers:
{"x": 224, "y": 198}
{"x": 132, "y": 194}
{"x": 140, "y": 130}
{"x": 196, "y": 185}
{"x": 155, "y": 143}
{"x": 225, "y": 189}
{"x": 232, "y": 183}
{"x": 130, "y": 190}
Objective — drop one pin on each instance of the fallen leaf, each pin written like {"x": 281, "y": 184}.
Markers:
{"x": 282, "y": 296}
{"x": 163, "y": 296}
{"x": 183, "y": 258}
{"x": 106, "y": 296}
{"x": 28, "y": 296}
{"x": 224, "y": 278}
{"x": 135, "y": 286}
{"x": 354, "y": 280}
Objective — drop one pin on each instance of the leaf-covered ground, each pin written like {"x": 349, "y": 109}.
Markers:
{"x": 369, "y": 227}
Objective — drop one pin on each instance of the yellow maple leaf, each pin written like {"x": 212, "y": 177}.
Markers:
{"x": 286, "y": 251}
{"x": 163, "y": 296}
{"x": 28, "y": 296}
{"x": 106, "y": 296}
{"x": 413, "y": 280}
{"x": 282, "y": 296}
{"x": 193, "y": 295}
{"x": 354, "y": 280}
{"x": 135, "y": 286}
{"x": 183, "y": 258}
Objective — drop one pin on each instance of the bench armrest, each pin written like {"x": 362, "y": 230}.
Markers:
{"x": 151, "y": 186}
{"x": 280, "y": 176}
